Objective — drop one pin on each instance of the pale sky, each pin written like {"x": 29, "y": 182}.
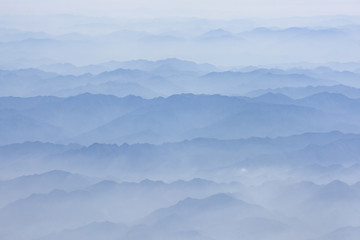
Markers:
{"x": 225, "y": 9}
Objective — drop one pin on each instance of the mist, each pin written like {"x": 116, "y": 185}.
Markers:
{"x": 148, "y": 121}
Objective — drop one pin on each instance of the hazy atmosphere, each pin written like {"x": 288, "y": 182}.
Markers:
{"x": 211, "y": 9}
{"x": 196, "y": 120}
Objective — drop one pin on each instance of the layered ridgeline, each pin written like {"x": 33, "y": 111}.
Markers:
{"x": 88, "y": 118}
{"x": 167, "y": 77}
{"x": 319, "y": 157}
{"x": 172, "y": 149}
{"x": 25, "y": 41}
{"x": 179, "y": 209}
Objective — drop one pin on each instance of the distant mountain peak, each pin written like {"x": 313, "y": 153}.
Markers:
{"x": 217, "y": 200}
{"x": 104, "y": 185}
{"x": 217, "y": 34}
